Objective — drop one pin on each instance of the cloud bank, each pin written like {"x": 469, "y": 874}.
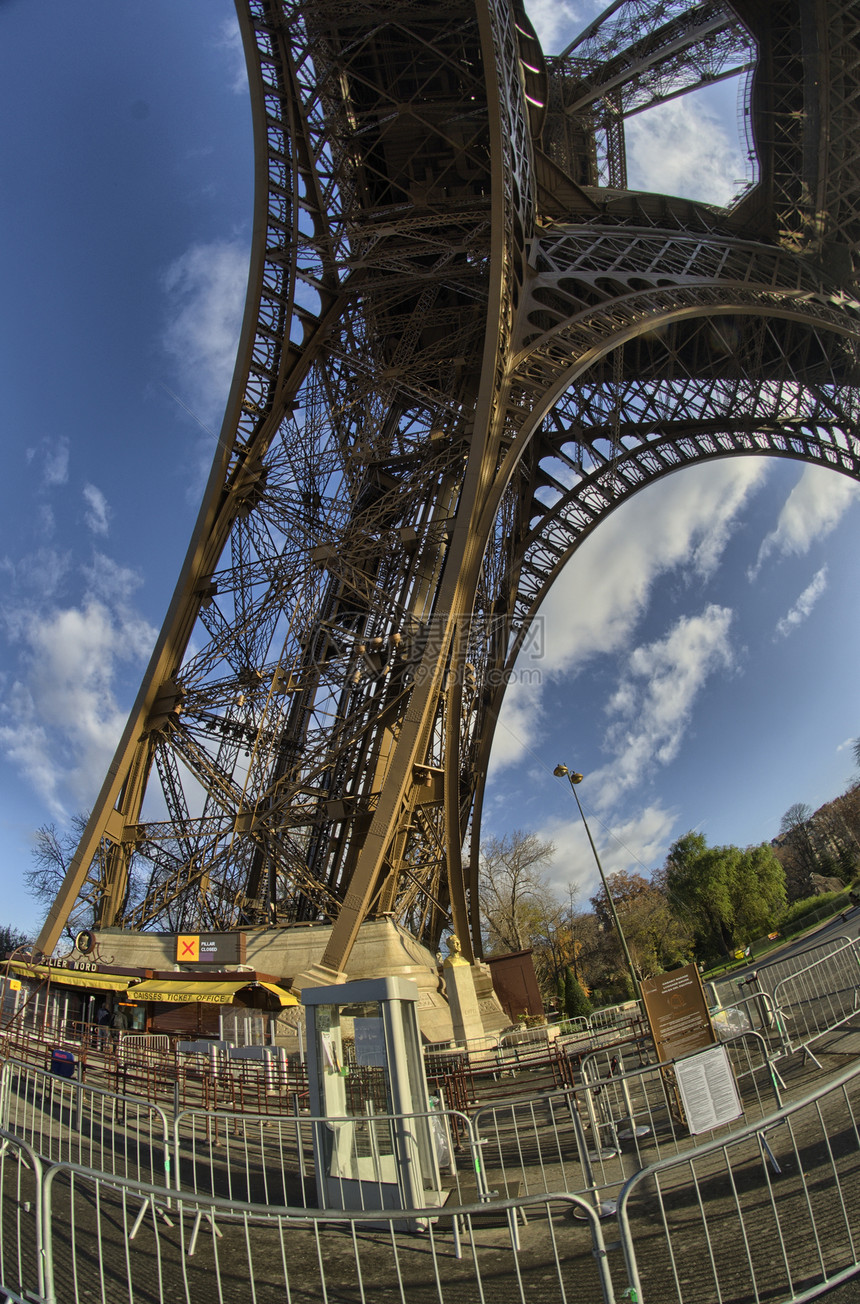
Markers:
{"x": 60, "y": 722}
{"x": 681, "y": 524}
{"x": 812, "y": 510}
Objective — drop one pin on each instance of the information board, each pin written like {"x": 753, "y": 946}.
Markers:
{"x": 677, "y": 1013}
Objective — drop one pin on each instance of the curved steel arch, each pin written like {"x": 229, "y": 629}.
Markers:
{"x": 447, "y": 315}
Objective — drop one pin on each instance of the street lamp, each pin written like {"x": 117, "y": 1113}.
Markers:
{"x": 561, "y": 772}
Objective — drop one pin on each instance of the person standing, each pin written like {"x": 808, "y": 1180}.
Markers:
{"x": 102, "y": 1021}
{"x": 118, "y": 1023}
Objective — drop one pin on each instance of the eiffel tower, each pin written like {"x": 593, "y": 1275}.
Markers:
{"x": 466, "y": 341}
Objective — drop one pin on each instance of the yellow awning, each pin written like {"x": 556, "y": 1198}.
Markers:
{"x": 213, "y": 993}
{"x": 71, "y": 977}
{"x": 286, "y": 998}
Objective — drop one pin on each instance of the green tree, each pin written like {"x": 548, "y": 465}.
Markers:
{"x": 11, "y": 938}
{"x": 727, "y": 894}
{"x": 576, "y": 1003}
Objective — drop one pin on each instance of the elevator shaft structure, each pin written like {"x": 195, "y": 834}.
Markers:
{"x": 466, "y": 341}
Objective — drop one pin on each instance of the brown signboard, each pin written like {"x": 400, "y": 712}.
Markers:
{"x": 677, "y": 1013}
{"x": 515, "y": 984}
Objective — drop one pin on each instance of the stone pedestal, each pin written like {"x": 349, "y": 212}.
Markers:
{"x": 462, "y": 1001}
{"x": 294, "y": 955}
{"x": 493, "y": 1016}
{"x": 317, "y": 975}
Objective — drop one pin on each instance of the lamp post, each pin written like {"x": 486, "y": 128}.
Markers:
{"x": 562, "y": 772}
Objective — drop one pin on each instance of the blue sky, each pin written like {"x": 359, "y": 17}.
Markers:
{"x": 125, "y": 218}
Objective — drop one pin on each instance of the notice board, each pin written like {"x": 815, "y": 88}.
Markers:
{"x": 677, "y": 1013}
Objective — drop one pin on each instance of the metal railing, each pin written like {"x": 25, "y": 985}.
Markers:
{"x": 590, "y": 1139}
{"x": 21, "y": 1237}
{"x": 764, "y": 1210}
{"x": 65, "y": 1120}
{"x": 801, "y": 999}
{"x": 207, "y": 1249}
{"x": 770, "y": 1212}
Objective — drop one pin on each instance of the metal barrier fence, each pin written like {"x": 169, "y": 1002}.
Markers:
{"x": 592, "y": 1138}
{"x": 819, "y": 999}
{"x": 766, "y": 1211}
{"x": 207, "y": 1249}
{"x": 21, "y": 1239}
{"x": 67, "y": 1121}
{"x": 765, "y": 977}
{"x": 802, "y": 998}
{"x": 584, "y": 1139}
{"x": 770, "y": 1212}
{"x": 263, "y": 1160}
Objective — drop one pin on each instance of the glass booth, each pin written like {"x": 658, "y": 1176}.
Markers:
{"x": 365, "y": 1061}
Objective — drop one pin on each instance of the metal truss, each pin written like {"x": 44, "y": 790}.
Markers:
{"x": 635, "y": 55}
{"x": 465, "y": 343}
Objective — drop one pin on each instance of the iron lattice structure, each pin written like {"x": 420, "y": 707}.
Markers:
{"x": 465, "y": 343}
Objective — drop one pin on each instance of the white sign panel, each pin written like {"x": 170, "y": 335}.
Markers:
{"x": 707, "y": 1088}
{"x": 369, "y": 1042}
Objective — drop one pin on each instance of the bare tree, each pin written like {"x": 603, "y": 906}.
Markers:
{"x": 51, "y": 853}
{"x": 515, "y": 896}
{"x": 799, "y": 858}
{"x": 795, "y": 817}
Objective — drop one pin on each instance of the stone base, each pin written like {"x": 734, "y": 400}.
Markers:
{"x": 493, "y": 1016}
{"x": 317, "y": 975}
{"x": 463, "y": 1003}
{"x": 382, "y": 950}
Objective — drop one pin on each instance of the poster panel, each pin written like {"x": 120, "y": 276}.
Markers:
{"x": 708, "y": 1089}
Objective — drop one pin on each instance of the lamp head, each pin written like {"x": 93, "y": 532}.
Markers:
{"x": 561, "y": 771}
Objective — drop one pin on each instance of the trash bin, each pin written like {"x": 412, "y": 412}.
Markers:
{"x": 62, "y": 1063}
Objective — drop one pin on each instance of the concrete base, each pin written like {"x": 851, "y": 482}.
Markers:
{"x": 493, "y": 1016}
{"x": 383, "y": 950}
{"x": 465, "y": 1014}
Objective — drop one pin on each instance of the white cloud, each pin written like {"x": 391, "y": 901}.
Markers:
{"x": 636, "y": 844}
{"x": 804, "y": 604}
{"x": 229, "y": 38}
{"x": 98, "y": 513}
{"x": 45, "y": 520}
{"x": 653, "y": 705}
{"x": 682, "y": 148}
{"x": 206, "y": 293}
{"x": 520, "y": 719}
{"x": 555, "y": 21}
{"x": 60, "y": 720}
{"x": 54, "y": 458}
{"x": 684, "y": 521}
{"x": 40, "y": 574}
{"x": 109, "y": 582}
{"x": 814, "y": 507}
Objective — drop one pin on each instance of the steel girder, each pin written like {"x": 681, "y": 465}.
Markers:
{"x": 459, "y": 354}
